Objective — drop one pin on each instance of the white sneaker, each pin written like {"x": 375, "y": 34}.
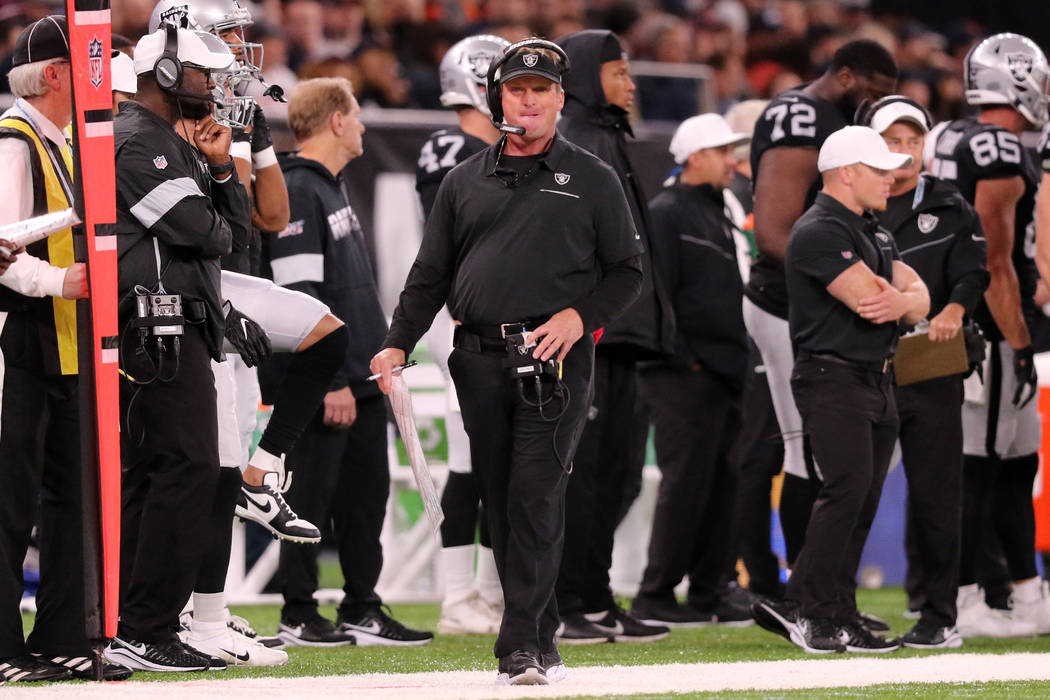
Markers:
{"x": 265, "y": 505}
{"x": 975, "y": 619}
{"x": 216, "y": 639}
{"x": 467, "y": 615}
{"x": 1035, "y": 612}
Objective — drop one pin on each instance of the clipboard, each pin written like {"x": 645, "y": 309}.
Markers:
{"x": 918, "y": 358}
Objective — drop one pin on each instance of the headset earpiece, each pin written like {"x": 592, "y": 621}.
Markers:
{"x": 493, "y": 89}
{"x": 867, "y": 110}
{"x": 168, "y": 69}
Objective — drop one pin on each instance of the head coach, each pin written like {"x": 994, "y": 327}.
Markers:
{"x": 532, "y": 244}
{"x": 848, "y": 290}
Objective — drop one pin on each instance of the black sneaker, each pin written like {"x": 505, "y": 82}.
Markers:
{"x": 553, "y": 666}
{"x": 265, "y": 505}
{"x": 29, "y": 669}
{"x": 622, "y": 627}
{"x": 521, "y": 668}
{"x": 733, "y": 614}
{"x": 318, "y": 632}
{"x": 927, "y": 635}
{"x": 577, "y": 629}
{"x": 858, "y": 638}
{"x": 776, "y": 616}
{"x": 818, "y": 635}
{"x": 669, "y": 613}
{"x": 873, "y": 623}
{"x": 161, "y": 656}
{"x": 376, "y": 627}
{"x": 83, "y": 669}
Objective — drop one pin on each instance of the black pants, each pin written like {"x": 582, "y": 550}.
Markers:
{"x": 40, "y": 472}
{"x": 757, "y": 457}
{"x": 697, "y": 418}
{"x": 850, "y": 417}
{"x": 931, "y": 443}
{"x": 341, "y": 477}
{"x": 606, "y": 460}
{"x": 170, "y": 463}
{"x": 520, "y": 458}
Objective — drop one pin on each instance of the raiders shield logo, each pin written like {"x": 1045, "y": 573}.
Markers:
{"x": 1020, "y": 66}
{"x": 530, "y": 59}
{"x": 882, "y": 237}
{"x": 927, "y": 222}
{"x": 95, "y": 62}
{"x": 561, "y": 178}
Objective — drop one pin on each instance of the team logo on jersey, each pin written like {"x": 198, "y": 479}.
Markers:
{"x": 530, "y": 59}
{"x": 847, "y": 255}
{"x": 95, "y": 62}
{"x": 1020, "y": 66}
{"x": 561, "y": 178}
{"x": 882, "y": 236}
{"x": 927, "y": 222}
{"x": 161, "y": 162}
{"x": 294, "y": 228}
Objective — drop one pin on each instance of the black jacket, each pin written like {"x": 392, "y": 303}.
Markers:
{"x": 322, "y": 253}
{"x": 165, "y": 194}
{"x": 646, "y": 329}
{"x": 940, "y": 236}
{"x": 694, "y": 239}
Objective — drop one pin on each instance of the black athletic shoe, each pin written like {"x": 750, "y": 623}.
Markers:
{"x": 858, "y": 638}
{"x": 376, "y": 627}
{"x": 776, "y": 616}
{"x": 29, "y": 669}
{"x": 553, "y": 666}
{"x": 318, "y": 632}
{"x": 83, "y": 669}
{"x": 161, "y": 656}
{"x": 521, "y": 668}
{"x": 873, "y": 623}
{"x": 733, "y": 614}
{"x": 577, "y": 629}
{"x": 622, "y": 627}
{"x": 669, "y": 613}
{"x": 818, "y": 635}
{"x": 930, "y": 635}
{"x": 265, "y": 505}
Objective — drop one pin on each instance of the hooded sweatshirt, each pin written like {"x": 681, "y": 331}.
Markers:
{"x": 646, "y": 329}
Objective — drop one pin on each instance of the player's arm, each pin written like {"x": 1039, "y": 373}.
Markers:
{"x": 269, "y": 196}
{"x": 784, "y": 179}
{"x": 1042, "y": 228}
{"x": 996, "y": 202}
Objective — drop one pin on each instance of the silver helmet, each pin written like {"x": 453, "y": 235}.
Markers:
{"x": 464, "y": 69}
{"x": 1009, "y": 69}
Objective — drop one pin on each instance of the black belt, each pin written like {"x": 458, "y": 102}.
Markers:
{"x": 489, "y": 338}
{"x": 880, "y": 366}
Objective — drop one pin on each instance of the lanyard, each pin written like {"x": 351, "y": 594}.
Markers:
{"x": 60, "y": 168}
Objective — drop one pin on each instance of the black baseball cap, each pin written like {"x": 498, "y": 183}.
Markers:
{"x": 530, "y": 62}
{"x": 42, "y": 40}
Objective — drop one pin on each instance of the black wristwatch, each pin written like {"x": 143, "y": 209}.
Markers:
{"x": 218, "y": 171}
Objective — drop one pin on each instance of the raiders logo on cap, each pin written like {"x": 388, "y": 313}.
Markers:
{"x": 530, "y": 59}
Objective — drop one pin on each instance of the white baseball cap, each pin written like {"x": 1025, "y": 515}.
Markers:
{"x": 704, "y": 131}
{"x": 859, "y": 144}
{"x": 894, "y": 112}
{"x": 196, "y": 49}
{"x": 123, "y": 73}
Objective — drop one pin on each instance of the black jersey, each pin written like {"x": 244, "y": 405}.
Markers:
{"x": 443, "y": 151}
{"x": 1043, "y": 150}
{"x": 969, "y": 151}
{"x": 793, "y": 119}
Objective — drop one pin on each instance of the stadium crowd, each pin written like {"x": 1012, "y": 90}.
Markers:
{"x": 865, "y": 185}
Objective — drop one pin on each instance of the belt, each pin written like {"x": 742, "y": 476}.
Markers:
{"x": 489, "y": 338}
{"x": 879, "y": 366}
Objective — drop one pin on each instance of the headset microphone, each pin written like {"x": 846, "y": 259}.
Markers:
{"x": 511, "y": 129}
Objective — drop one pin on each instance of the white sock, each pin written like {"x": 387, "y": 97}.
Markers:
{"x": 263, "y": 460}
{"x": 209, "y": 607}
{"x": 488, "y": 578}
{"x": 457, "y": 571}
{"x": 1029, "y": 591}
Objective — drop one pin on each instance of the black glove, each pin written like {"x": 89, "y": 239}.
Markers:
{"x": 261, "y": 139}
{"x": 246, "y": 336}
{"x": 1027, "y": 381}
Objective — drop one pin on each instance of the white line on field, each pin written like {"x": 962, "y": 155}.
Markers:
{"x": 591, "y": 680}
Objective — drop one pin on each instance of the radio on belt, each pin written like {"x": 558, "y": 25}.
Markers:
{"x": 520, "y": 361}
{"x": 160, "y": 313}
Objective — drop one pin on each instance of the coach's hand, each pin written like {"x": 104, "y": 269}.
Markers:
{"x": 1027, "y": 381}
{"x": 383, "y": 364}
{"x": 558, "y": 335}
{"x": 340, "y": 408}
{"x": 947, "y": 324}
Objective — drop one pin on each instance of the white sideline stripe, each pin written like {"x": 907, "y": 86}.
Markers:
{"x": 849, "y": 671}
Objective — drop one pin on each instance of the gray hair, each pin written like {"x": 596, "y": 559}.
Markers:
{"x": 27, "y": 80}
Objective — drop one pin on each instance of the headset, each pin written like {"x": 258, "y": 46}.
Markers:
{"x": 494, "y": 90}
{"x": 866, "y": 111}
{"x": 167, "y": 70}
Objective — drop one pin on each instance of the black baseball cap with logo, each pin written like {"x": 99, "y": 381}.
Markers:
{"x": 530, "y": 62}
{"x": 42, "y": 40}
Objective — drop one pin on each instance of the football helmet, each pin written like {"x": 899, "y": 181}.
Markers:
{"x": 464, "y": 68}
{"x": 1009, "y": 69}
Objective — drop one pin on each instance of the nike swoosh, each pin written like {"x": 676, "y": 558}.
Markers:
{"x": 372, "y": 627}
{"x": 138, "y": 649}
{"x": 239, "y": 657}
{"x": 265, "y": 510}
{"x": 616, "y": 629}
{"x": 244, "y": 327}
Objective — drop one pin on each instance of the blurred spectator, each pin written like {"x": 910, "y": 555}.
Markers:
{"x": 303, "y": 23}
{"x": 380, "y": 81}
{"x": 420, "y": 56}
{"x": 668, "y": 39}
{"x": 275, "y": 70}
{"x": 342, "y": 21}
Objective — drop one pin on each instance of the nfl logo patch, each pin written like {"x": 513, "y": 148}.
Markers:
{"x": 161, "y": 162}
{"x": 95, "y": 62}
{"x": 847, "y": 255}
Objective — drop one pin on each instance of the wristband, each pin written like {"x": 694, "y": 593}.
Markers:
{"x": 217, "y": 171}
{"x": 264, "y": 158}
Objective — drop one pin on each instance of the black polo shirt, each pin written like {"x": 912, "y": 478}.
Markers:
{"x": 507, "y": 244}
{"x": 826, "y": 240}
